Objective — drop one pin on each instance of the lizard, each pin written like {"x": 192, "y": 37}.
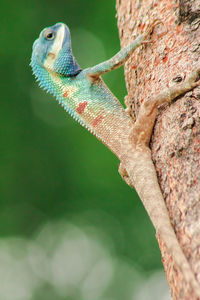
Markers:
{"x": 84, "y": 95}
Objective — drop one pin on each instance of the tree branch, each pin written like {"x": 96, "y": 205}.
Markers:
{"x": 147, "y": 72}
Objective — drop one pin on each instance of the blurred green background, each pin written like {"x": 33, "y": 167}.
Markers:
{"x": 70, "y": 228}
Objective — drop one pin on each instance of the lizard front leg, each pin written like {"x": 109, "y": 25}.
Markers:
{"x": 122, "y": 56}
{"x": 140, "y": 169}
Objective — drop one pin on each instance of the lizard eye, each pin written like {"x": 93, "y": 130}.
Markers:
{"x": 50, "y": 35}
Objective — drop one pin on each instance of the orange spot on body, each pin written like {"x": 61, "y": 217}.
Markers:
{"x": 134, "y": 67}
{"x": 65, "y": 94}
{"x": 97, "y": 120}
{"x": 81, "y": 107}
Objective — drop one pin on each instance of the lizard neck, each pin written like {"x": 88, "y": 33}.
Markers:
{"x": 45, "y": 78}
{"x": 66, "y": 63}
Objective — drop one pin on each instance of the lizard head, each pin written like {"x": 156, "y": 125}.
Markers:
{"x": 52, "y": 51}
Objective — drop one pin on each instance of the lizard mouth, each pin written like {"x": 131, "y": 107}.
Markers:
{"x": 66, "y": 36}
{"x": 61, "y": 27}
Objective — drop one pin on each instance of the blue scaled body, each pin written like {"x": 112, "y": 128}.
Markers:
{"x": 81, "y": 92}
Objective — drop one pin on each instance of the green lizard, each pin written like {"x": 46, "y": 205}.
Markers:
{"x": 85, "y": 96}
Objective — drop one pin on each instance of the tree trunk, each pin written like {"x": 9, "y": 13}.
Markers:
{"x": 175, "y": 144}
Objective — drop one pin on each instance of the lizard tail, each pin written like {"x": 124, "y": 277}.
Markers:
{"x": 141, "y": 171}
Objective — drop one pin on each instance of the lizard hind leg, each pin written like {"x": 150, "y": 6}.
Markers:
{"x": 138, "y": 165}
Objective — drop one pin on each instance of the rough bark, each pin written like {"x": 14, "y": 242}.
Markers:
{"x": 176, "y": 140}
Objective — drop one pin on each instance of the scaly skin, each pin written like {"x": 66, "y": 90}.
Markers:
{"x": 85, "y": 96}
{"x": 82, "y": 92}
